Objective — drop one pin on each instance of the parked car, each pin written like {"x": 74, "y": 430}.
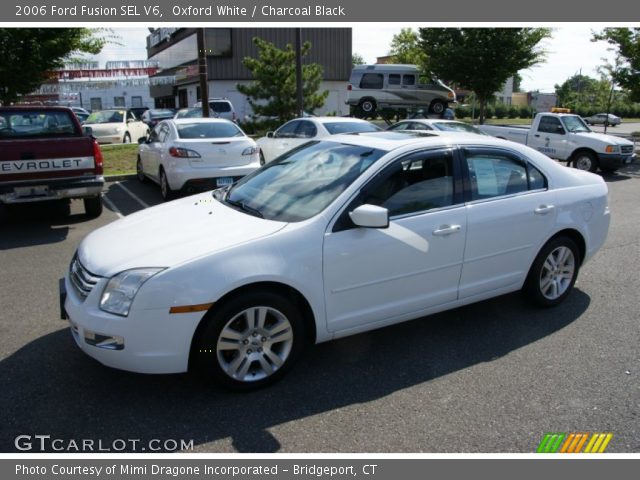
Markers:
{"x": 81, "y": 110}
{"x": 373, "y": 87}
{"x": 221, "y": 107}
{"x": 301, "y": 130}
{"x": 566, "y": 137}
{"x": 426, "y": 124}
{"x": 154, "y": 116}
{"x": 82, "y": 117}
{"x": 603, "y": 119}
{"x": 139, "y": 111}
{"x": 346, "y": 234}
{"x": 115, "y": 126}
{"x": 195, "y": 112}
{"x": 46, "y": 155}
{"x": 194, "y": 154}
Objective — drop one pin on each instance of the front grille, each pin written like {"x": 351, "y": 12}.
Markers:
{"x": 627, "y": 149}
{"x": 82, "y": 279}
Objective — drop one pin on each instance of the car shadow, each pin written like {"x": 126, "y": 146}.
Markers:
{"x": 50, "y": 387}
{"x": 38, "y": 223}
{"x": 625, "y": 173}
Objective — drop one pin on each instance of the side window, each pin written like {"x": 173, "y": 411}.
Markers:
{"x": 550, "y": 125}
{"x": 153, "y": 136}
{"x": 416, "y": 184}
{"x": 419, "y": 126}
{"x": 398, "y": 127}
{"x": 537, "y": 180}
{"x": 371, "y": 80}
{"x": 130, "y": 115}
{"x": 408, "y": 80}
{"x": 495, "y": 174}
{"x": 164, "y": 132}
{"x": 306, "y": 129}
{"x": 394, "y": 79}
{"x": 288, "y": 130}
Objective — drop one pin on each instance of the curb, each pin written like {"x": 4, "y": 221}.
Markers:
{"x": 119, "y": 178}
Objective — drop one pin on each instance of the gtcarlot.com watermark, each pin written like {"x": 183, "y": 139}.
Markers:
{"x": 47, "y": 443}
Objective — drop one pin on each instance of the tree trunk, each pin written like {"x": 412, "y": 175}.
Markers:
{"x": 483, "y": 104}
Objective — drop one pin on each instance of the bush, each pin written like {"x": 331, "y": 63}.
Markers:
{"x": 513, "y": 112}
{"x": 500, "y": 110}
{"x": 488, "y": 111}
{"x": 463, "y": 111}
{"x": 525, "y": 112}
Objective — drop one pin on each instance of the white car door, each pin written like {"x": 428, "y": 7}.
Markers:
{"x": 374, "y": 275}
{"x": 551, "y": 138}
{"x": 283, "y": 140}
{"x": 510, "y": 213}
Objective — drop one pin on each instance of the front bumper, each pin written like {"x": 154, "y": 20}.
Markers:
{"x": 613, "y": 161}
{"x": 147, "y": 341}
{"x": 43, "y": 190}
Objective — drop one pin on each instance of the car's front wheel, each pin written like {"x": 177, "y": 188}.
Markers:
{"x": 553, "y": 272}
{"x": 140, "y": 172}
{"x": 127, "y": 138}
{"x": 251, "y": 340}
{"x": 585, "y": 161}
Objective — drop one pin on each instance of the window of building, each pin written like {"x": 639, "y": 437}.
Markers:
{"x": 118, "y": 101}
{"x": 96, "y": 103}
{"x": 136, "y": 102}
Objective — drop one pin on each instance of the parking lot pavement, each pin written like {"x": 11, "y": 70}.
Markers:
{"x": 489, "y": 377}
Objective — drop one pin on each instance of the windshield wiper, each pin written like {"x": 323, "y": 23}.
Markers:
{"x": 244, "y": 207}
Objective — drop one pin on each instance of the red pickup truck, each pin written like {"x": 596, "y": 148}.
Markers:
{"x": 46, "y": 155}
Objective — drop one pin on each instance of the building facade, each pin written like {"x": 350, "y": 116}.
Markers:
{"x": 175, "y": 51}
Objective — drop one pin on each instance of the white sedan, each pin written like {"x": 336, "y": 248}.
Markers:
{"x": 302, "y": 130}
{"x": 430, "y": 125}
{"x": 116, "y": 126}
{"x": 341, "y": 236}
{"x": 194, "y": 154}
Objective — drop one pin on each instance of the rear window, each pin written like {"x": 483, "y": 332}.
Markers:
{"x": 36, "y": 124}
{"x": 220, "y": 107}
{"x": 208, "y": 130}
{"x": 335, "y": 128}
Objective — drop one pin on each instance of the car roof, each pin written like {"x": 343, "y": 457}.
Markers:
{"x": 179, "y": 121}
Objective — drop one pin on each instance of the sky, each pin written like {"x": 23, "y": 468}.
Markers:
{"x": 569, "y": 51}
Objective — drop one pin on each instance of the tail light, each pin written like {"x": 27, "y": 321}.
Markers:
{"x": 183, "y": 153}
{"x": 349, "y": 87}
{"x": 97, "y": 157}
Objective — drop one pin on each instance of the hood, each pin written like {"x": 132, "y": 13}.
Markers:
{"x": 101, "y": 129}
{"x": 170, "y": 234}
{"x": 610, "y": 139}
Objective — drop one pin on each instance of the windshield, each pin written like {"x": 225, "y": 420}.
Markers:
{"x": 574, "y": 124}
{"x": 302, "y": 182}
{"x": 208, "y": 130}
{"x": 457, "y": 127}
{"x": 106, "y": 116}
{"x": 335, "y": 128}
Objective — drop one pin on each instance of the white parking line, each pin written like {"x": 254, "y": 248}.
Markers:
{"x": 133, "y": 195}
{"x": 112, "y": 206}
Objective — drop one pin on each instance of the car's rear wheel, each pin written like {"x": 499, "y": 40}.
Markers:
{"x": 127, "y": 138}
{"x": 251, "y": 340}
{"x": 93, "y": 206}
{"x": 140, "y": 172}
{"x": 585, "y": 161}
{"x": 554, "y": 272}
{"x": 368, "y": 107}
{"x": 437, "y": 107}
{"x": 165, "y": 189}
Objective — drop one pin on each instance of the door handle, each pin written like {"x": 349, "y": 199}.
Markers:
{"x": 537, "y": 135}
{"x": 544, "y": 209}
{"x": 443, "y": 230}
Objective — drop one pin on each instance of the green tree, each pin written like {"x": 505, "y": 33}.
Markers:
{"x": 482, "y": 59}
{"x": 406, "y": 48}
{"x": 29, "y": 55}
{"x": 626, "y": 42}
{"x": 273, "y": 94}
{"x": 357, "y": 59}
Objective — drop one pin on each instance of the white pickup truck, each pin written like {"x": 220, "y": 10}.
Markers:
{"x": 566, "y": 137}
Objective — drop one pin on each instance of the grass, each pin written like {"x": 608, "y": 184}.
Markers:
{"x": 119, "y": 159}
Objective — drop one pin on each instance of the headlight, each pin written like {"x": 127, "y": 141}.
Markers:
{"x": 612, "y": 149}
{"x": 122, "y": 288}
{"x": 250, "y": 151}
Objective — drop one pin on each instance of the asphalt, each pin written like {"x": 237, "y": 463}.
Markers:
{"x": 490, "y": 377}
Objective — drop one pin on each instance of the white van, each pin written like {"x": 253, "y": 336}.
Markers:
{"x": 373, "y": 87}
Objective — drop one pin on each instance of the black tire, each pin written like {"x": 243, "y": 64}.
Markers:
{"x": 142, "y": 178}
{"x": 247, "y": 361}
{"x": 165, "y": 188}
{"x": 262, "y": 160}
{"x": 93, "y": 206}
{"x": 368, "y": 107}
{"x": 437, "y": 107}
{"x": 126, "y": 138}
{"x": 585, "y": 160}
{"x": 547, "y": 284}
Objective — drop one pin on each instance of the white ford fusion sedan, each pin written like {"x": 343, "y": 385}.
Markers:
{"x": 333, "y": 238}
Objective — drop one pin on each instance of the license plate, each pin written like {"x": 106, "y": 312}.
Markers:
{"x": 222, "y": 181}
{"x": 35, "y": 191}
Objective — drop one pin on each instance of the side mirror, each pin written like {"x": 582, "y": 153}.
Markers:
{"x": 88, "y": 131}
{"x": 370, "y": 216}
{"x": 270, "y": 135}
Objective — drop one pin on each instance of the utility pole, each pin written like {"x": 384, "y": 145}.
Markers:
{"x": 202, "y": 72}
{"x": 299, "y": 98}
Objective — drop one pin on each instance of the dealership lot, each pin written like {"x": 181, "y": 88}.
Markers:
{"x": 490, "y": 377}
